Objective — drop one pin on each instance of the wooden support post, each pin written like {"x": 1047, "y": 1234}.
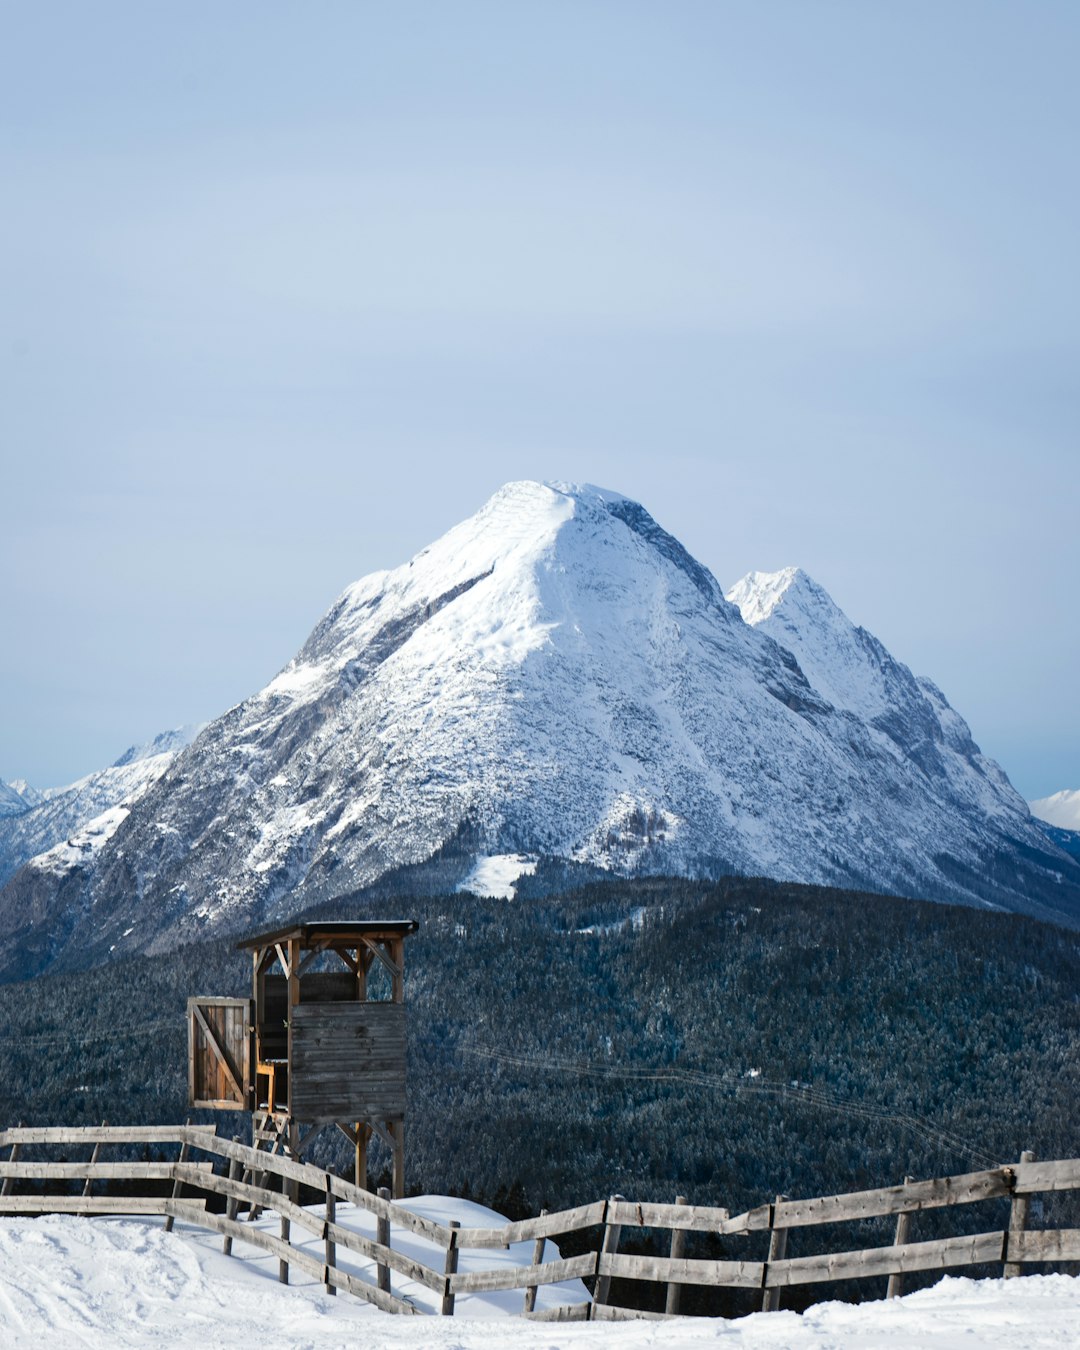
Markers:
{"x": 88, "y": 1187}
{"x": 1018, "y": 1217}
{"x": 233, "y": 1203}
{"x": 538, "y": 1259}
{"x": 450, "y": 1269}
{"x": 177, "y": 1187}
{"x": 382, "y": 1237}
{"x": 612, "y": 1233}
{"x": 13, "y": 1156}
{"x": 283, "y": 1265}
{"x": 903, "y": 1232}
{"x": 770, "y": 1298}
{"x": 397, "y": 1133}
{"x": 330, "y": 1251}
{"x": 290, "y": 1186}
{"x": 363, "y": 1132}
{"x": 678, "y": 1251}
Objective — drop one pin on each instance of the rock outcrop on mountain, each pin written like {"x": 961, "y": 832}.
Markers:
{"x": 555, "y": 676}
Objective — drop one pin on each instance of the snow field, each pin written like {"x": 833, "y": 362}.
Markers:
{"x": 69, "y": 1282}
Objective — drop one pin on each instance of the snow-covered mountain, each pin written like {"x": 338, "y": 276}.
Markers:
{"x": 1060, "y": 808}
{"x": 555, "y": 676}
{"x": 17, "y": 797}
{"x": 48, "y": 817}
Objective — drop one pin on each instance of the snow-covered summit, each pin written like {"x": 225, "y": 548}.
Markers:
{"x": 557, "y": 676}
{"x": 1060, "y": 808}
{"x": 846, "y": 664}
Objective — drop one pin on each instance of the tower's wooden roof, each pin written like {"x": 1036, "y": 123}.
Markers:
{"x": 332, "y": 932}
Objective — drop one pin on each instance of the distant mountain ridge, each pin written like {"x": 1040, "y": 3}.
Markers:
{"x": 1060, "y": 808}
{"x": 555, "y": 676}
{"x": 47, "y": 817}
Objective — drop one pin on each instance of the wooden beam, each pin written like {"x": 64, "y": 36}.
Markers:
{"x": 312, "y": 956}
{"x": 391, "y": 965}
{"x": 303, "y": 1142}
{"x": 283, "y": 959}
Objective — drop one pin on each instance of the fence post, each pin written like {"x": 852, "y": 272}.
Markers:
{"x": 612, "y": 1233}
{"x": 233, "y": 1202}
{"x": 903, "y": 1232}
{"x": 13, "y": 1156}
{"x": 93, "y": 1159}
{"x": 283, "y": 1264}
{"x": 673, "y": 1303}
{"x": 329, "y": 1247}
{"x": 176, "y": 1184}
{"x": 382, "y": 1237}
{"x": 770, "y": 1298}
{"x": 450, "y": 1269}
{"x": 1018, "y": 1217}
{"x": 538, "y": 1259}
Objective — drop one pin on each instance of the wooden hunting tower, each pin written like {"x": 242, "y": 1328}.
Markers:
{"x": 310, "y": 1048}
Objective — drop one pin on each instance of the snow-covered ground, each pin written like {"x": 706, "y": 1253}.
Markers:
{"x": 72, "y": 1282}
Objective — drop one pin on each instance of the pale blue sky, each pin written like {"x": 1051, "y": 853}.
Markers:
{"x": 287, "y": 290}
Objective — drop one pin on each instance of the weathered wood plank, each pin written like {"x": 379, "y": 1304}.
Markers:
{"x": 1047, "y": 1176}
{"x": 566, "y": 1312}
{"x": 935, "y": 1194}
{"x": 725, "y": 1274}
{"x": 525, "y": 1230}
{"x": 690, "y": 1218}
{"x": 521, "y": 1277}
{"x": 605, "y": 1312}
{"x": 1052, "y": 1244}
{"x": 94, "y": 1171}
{"x": 754, "y": 1220}
{"x": 370, "y": 1293}
{"x": 85, "y": 1204}
{"x": 940, "y": 1255}
{"x": 105, "y": 1134}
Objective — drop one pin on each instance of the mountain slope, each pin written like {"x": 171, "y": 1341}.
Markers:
{"x": 554, "y": 676}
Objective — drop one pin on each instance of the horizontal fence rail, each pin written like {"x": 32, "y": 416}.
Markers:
{"x": 210, "y": 1193}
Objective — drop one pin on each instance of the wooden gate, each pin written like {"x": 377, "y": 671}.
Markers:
{"x": 221, "y": 1060}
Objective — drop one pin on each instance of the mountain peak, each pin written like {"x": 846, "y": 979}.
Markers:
{"x": 1060, "y": 808}
{"x": 557, "y": 676}
{"x": 758, "y": 595}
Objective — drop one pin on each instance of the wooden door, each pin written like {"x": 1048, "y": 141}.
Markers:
{"x": 221, "y": 1060}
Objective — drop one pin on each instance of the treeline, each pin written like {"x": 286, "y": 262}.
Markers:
{"x": 725, "y": 1041}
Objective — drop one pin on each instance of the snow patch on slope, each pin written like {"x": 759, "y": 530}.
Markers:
{"x": 494, "y": 878}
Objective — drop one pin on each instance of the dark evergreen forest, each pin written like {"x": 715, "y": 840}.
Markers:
{"x": 725, "y": 1041}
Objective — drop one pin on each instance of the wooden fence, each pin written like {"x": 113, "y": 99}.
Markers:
{"x": 239, "y": 1176}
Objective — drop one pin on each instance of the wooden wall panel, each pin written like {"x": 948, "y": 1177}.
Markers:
{"x": 348, "y": 1062}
